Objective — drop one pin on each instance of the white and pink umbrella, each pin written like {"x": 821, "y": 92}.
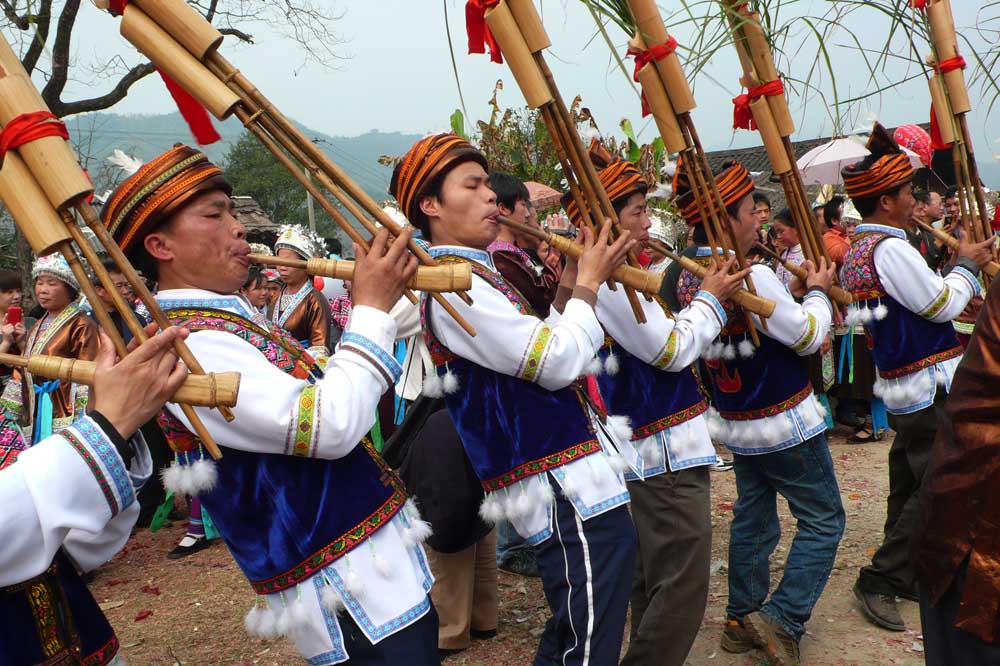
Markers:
{"x": 822, "y": 164}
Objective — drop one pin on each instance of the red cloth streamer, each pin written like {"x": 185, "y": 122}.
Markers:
{"x": 193, "y": 112}
{"x": 950, "y": 65}
{"x": 478, "y": 31}
{"x": 937, "y": 143}
{"x": 919, "y": 4}
{"x": 28, "y": 127}
{"x": 742, "y": 116}
{"x": 643, "y": 58}
{"x": 117, "y": 7}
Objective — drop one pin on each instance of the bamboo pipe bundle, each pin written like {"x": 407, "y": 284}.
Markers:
{"x": 530, "y": 70}
{"x": 209, "y": 390}
{"x": 838, "y": 295}
{"x": 749, "y": 301}
{"x": 437, "y": 279}
{"x": 180, "y": 27}
{"x": 647, "y": 282}
{"x": 667, "y": 92}
{"x": 50, "y": 185}
{"x": 991, "y": 269}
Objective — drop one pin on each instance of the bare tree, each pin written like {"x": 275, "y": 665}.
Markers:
{"x": 42, "y": 31}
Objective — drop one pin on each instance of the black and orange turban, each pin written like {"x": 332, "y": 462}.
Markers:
{"x": 157, "y": 190}
{"x": 884, "y": 170}
{"x": 620, "y": 178}
{"x": 733, "y": 180}
{"x": 429, "y": 158}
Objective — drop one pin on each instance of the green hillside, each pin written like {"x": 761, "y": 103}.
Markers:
{"x": 96, "y": 135}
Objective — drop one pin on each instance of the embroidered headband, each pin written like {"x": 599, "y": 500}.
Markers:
{"x": 619, "y": 177}
{"x": 733, "y": 180}
{"x": 884, "y": 170}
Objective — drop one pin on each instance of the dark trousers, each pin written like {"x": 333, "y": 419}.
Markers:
{"x": 890, "y": 571}
{"x": 152, "y": 494}
{"x": 946, "y": 645}
{"x": 672, "y": 514}
{"x": 417, "y": 645}
{"x": 586, "y": 568}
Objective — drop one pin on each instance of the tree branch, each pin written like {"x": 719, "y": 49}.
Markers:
{"x": 117, "y": 94}
{"x": 238, "y": 34}
{"x": 21, "y": 22}
{"x": 60, "y": 54}
{"x": 43, "y": 19}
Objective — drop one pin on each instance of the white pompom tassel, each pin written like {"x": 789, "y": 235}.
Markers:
{"x": 204, "y": 476}
{"x": 878, "y": 389}
{"x": 714, "y": 352}
{"x": 611, "y": 365}
{"x": 655, "y": 454}
{"x": 491, "y": 510}
{"x": 382, "y": 566}
{"x": 865, "y": 314}
{"x": 621, "y": 428}
{"x": 450, "y": 382}
{"x": 523, "y": 505}
{"x": 820, "y": 409}
{"x": 729, "y": 352}
{"x": 569, "y": 487}
{"x": 746, "y": 349}
{"x": 433, "y": 387}
{"x": 618, "y": 463}
{"x": 880, "y": 312}
{"x": 353, "y": 583}
{"x": 171, "y": 476}
{"x": 330, "y": 600}
{"x": 941, "y": 377}
{"x": 418, "y": 530}
{"x": 594, "y": 367}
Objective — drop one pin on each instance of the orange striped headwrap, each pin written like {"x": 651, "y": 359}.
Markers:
{"x": 884, "y": 170}
{"x": 158, "y": 189}
{"x": 429, "y": 158}
{"x": 733, "y": 180}
{"x": 620, "y": 178}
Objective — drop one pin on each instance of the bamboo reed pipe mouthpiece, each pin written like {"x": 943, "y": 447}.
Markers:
{"x": 209, "y": 390}
{"x": 651, "y": 30}
{"x": 760, "y": 306}
{"x": 519, "y": 57}
{"x": 30, "y": 208}
{"x": 437, "y": 279}
{"x": 530, "y": 24}
{"x": 183, "y": 23}
{"x": 50, "y": 159}
{"x": 174, "y": 59}
{"x": 991, "y": 269}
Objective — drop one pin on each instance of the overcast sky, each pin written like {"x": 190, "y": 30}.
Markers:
{"x": 397, "y": 73}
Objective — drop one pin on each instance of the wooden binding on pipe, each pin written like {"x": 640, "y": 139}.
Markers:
{"x": 749, "y": 301}
{"x": 991, "y": 269}
{"x": 647, "y": 282}
{"x": 209, "y": 390}
{"x": 440, "y": 278}
{"x": 838, "y": 295}
{"x": 528, "y": 66}
{"x": 277, "y": 133}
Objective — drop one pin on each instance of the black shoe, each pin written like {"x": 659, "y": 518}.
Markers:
{"x": 483, "y": 634}
{"x": 179, "y": 551}
{"x": 522, "y": 563}
{"x": 880, "y": 609}
{"x": 444, "y": 653}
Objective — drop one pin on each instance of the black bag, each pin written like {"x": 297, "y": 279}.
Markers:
{"x": 431, "y": 460}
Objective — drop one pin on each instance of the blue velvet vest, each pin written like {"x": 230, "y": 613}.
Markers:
{"x": 53, "y": 619}
{"x": 772, "y": 381}
{"x": 653, "y": 399}
{"x": 285, "y": 517}
{"x": 511, "y": 428}
{"x": 903, "y": 341}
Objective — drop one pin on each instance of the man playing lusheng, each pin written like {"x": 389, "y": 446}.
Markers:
{"x": 546, "y": 462}
{"x": 318, "y": 524}
{"x": 906, "y": 310}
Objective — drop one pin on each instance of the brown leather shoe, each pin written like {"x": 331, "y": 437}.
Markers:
{"x": 880, "y": 609}
{"x": 739, "y": 637}
{"x": 781, "y": 648}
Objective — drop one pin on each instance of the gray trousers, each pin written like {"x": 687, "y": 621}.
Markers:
{"x": 672, "y": 516}
{"x": 890, "y": 571}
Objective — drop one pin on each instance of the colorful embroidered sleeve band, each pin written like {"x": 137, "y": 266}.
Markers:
{"x": 802, "y": 327}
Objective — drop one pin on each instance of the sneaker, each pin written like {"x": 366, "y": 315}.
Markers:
{"x": 721, "y": 464}
{"x": 881, "y": 609}
{"x": 188, "y": 546}
{"x": 739, "y": 637}
{"x": 781, "y": 648}
{"x": 522, "y": 563}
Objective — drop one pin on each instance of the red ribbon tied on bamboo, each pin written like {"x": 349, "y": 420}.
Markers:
{"x": 478, "y": 31}
{"x": 742, "y": 115}
{"x": 28, "y": 127}
{"x": 943, "y": 67}
{"x": 644, "y": 57}
{"x": 919, "y": 4}
{"x": 191, "y": 110}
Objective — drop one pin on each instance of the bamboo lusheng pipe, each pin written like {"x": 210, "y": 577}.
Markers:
{"x": 209, "y": 390}
{"x": 991, "y": 269}
{"x": 749, "y": 301}
{"x": 838, "y": 295}
{"x": 589, "y": 194}
{"x": 648, "y": 282}
{"x": 61, "y": 182}
{"x": 440, "y": 278}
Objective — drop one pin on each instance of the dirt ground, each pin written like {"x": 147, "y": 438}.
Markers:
{"x": 189, "y": 612}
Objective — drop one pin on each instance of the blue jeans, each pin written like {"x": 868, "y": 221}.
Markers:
{"x": 804, "y": 476}
{"x": 509, "y": 542}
